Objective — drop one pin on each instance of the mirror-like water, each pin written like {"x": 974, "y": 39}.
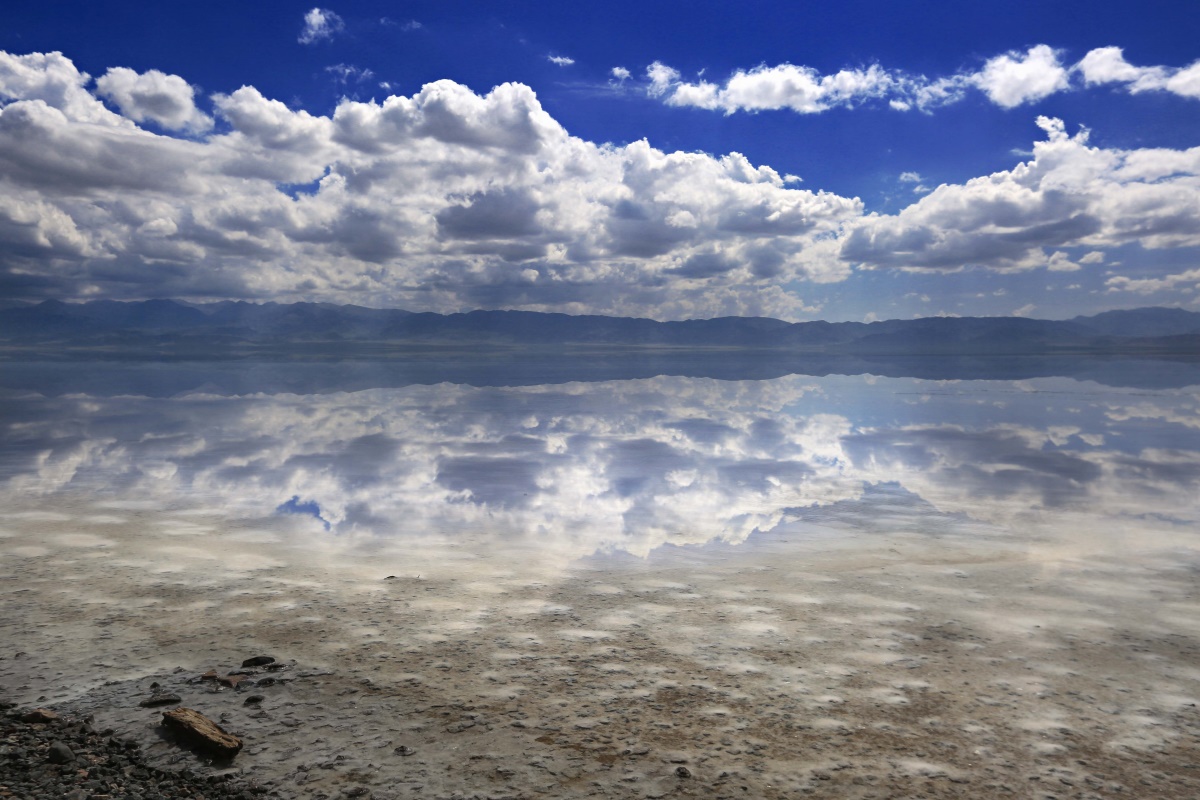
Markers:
{"x": 849, "y": 585}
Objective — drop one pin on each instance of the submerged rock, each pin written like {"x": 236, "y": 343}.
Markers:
{"x": 201, "y": 732}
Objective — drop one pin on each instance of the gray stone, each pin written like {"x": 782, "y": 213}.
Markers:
{"x": 59, "y": 753}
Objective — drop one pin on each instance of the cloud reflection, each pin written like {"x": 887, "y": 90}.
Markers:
{"x": 621, "y": 466}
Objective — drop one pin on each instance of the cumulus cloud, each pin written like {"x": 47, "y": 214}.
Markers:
{"x": 448, "y": 199}
{"x": 1014, "y": 78}
{"x": 320, "y": 23}
{"x": 443, "y": 200}
{"x": 1069, "y": 195}
{"x": 1008, "y": 80}
{"x": 53, "y": 79}
{"x": 1185, "y": 82}
{"x": 166, "y": 100}
{"x": 800, "y": 89}
{"x": 1106, "y": 65}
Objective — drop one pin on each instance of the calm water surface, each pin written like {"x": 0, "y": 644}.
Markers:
{"x": 577, "y": 469}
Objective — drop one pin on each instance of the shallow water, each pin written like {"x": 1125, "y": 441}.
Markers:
{"x": 851, "y": 586}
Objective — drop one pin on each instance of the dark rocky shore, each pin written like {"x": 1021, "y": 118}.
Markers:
{"x": 44, "y": 755}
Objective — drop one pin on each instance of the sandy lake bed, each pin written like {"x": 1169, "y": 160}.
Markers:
{"x": 931, "y": 657}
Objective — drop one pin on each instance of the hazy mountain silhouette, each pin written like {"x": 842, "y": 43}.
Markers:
{"x": 174, "y": 327}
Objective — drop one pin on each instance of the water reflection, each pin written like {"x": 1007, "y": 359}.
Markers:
{"x": 579, "y": 468}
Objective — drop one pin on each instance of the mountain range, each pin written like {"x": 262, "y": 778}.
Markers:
{"x": 174, "y": 327}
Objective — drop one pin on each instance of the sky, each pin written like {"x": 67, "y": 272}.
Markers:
{"x": 853, "y": 161}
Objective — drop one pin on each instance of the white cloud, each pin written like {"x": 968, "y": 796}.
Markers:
{"x": 805, "y": 90}
{"x": 1008, "y": 80}
{"x": 1105, "y": 65}
{"x": 1069, "y": 195}
{"x": 1061, "y": 262}
{"x": 800, "y": 89}
{"x": 1024, "y": 311}
{"x": 1187, "y": 281}
{"x": 443, "y": 200}
{"x": 562, "y": 61}
{"x": 661, "y": 78}
{"x": 1013, "y": 79}
{"x": 924, "y": 94}
{"x": 320, "y": 23}
{"x": 348, "y": 72}
{"x": 914, "y": 178}
{"x": 1108, "y": 65}
{"x": 53, "y": 79}
{"x": 167, "y": 100}
{"x": 620, "y": 73}
{"x": 448, "y": 199}
{"x": 1185, "y": 82}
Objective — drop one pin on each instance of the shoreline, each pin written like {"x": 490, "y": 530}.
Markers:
{"x": 893, "y": 667}
{"x": 48, "y": 755}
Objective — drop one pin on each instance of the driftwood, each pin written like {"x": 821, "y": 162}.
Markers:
{"x": 201, "y": 732}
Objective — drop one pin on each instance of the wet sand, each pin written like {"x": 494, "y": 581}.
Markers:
{"x": 962, "y": 661}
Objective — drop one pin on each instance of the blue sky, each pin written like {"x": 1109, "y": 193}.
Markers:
{"x": 856, "y": 160}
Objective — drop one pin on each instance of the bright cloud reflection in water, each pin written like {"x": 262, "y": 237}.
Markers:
{"x": 573, "y": 470}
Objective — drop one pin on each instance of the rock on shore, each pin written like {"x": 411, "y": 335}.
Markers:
{"x": 201, "y": 732}
{"x": 60, "y": 756}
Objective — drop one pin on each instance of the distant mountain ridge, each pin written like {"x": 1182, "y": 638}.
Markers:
{"x": 175, "y": 326}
